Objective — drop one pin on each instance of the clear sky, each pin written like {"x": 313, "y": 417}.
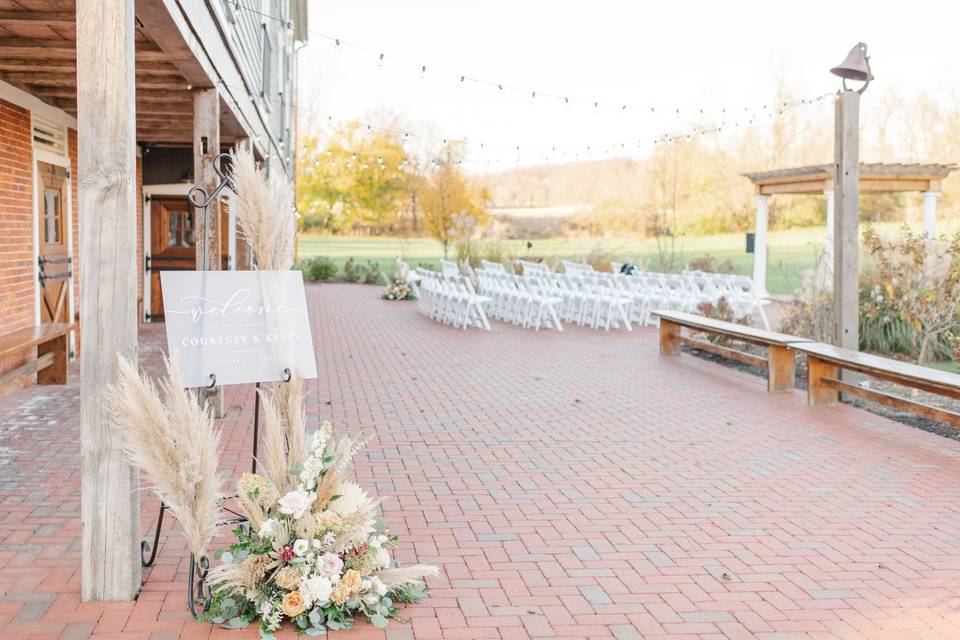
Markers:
{"x": 690, "y": 54}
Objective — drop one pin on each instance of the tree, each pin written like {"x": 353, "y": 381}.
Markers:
{"x": 447, "y": 197}
{"x": 355, "y": 180}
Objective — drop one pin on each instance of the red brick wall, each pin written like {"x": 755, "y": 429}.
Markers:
{"x": 17, "y": 269}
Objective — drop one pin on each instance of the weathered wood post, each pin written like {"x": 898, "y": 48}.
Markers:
{"x": 846, "y": 222}
{"x": 206, "y": 147}
{"x": 109, "y": 498}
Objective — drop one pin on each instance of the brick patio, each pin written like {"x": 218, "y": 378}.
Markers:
{"x": 569, "y": 485}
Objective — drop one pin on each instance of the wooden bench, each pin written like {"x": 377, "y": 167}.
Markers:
{"x": 50, "y": 341}
{"x": 824, "y": 362}
{"x": 779, "y": 360}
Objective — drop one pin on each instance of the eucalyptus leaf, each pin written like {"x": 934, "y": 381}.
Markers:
{"x": 238, "y": 623}
{"x": 226, "y": 557}
{"x": 379, "y": 621}
{"x": 317, "y": 631}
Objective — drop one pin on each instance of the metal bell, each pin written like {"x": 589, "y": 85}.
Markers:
{"x": 856, "y": 66}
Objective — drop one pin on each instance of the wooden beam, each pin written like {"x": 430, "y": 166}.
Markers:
{"x": 53, "y": 48}
{"x": 919, "y": 408}
{"x": 56, "y": 19}
{"x": 70, "y": 80}
{"x": 69, "y": 65}
{"x": 109, "y": 485}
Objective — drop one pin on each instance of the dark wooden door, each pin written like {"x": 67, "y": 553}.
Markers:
{"x": 54, "y": 262}
{"x": 172, "y": 243}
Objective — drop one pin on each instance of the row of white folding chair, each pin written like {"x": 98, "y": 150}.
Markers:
{"x": 523, "y": 300}
{"x": 738, "y": 291}
{"x": 449, "y": 268}
{"x": 451, "y": 299}
{"x": 593, "y": 298}
{"x": 576, "y": 267}
{"x": 534, "y": 268}
{"x": 492, "y": 266}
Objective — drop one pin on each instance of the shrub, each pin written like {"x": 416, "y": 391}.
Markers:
{"x": 316, "y": 269}
{"x": 708, "y": 264}
{"x": 374, "y": 274}
{"x": 720, "y": 311}
{"x": 353, "y": 272}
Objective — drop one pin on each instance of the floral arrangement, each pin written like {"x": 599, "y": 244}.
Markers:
{"x": 398, "y": 289}
{"x": 313, "y": 551}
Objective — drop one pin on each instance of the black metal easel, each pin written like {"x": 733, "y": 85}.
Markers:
{"x": 197, "y": 588}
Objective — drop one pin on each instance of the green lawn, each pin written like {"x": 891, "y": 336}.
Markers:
{"x": 791, "y": 251}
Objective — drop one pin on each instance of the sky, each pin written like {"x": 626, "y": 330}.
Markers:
{"x": 721, "y": 57}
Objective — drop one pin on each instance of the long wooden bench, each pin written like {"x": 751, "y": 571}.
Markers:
{"x": 779, "y": 360}
{"x": 825, "y": 361}
{"x": 52, "y": 359}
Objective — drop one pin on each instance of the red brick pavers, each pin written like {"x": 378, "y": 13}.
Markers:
{"x": 570, "y": 485}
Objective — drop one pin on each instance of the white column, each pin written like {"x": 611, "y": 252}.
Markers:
{"x": 930, "y": 213}
{"x": 760, "y": 246}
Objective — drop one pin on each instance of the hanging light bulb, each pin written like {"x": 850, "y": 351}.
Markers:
{"x": 423, "y": 71}
{"x": 290, "y": 29}
{"x": 236, "y": 9}
{"x": 500, "y": 87}
{"x": 337, "y": 48}
{"x": 380, "y": 60}
{"x": 462, "y": 79}
{"x": 533, "y": 96}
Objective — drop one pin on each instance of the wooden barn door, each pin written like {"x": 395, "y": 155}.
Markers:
{"x": 54, "y": 262}
{"x": 172, "y": 243}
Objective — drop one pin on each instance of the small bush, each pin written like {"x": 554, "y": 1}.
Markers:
{"x": 373, "y": 273}
{"x": 353, "y": 272}
{"x": 708, "y": 264}
{"x": 316, "y": 269}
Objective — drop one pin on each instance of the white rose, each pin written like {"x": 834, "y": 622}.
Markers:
{"x": 378, "y": 585}
{"x": 383, "y": 558}
{"x": 329, "y": 565}
{"x": 316, "y": 543}
{"x": 316, "y": 589}
{"x": 268, "y": 528}
{"x": 300, "y": 546}
{"x": 296, "y": 503}
{"x": 371, "y": 598}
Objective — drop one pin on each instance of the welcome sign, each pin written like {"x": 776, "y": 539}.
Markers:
{"x": 241, "y": 326}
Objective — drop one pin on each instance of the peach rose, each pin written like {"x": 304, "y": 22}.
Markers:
{"x": 293, "y": 604}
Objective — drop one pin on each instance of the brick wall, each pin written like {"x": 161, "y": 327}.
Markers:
{"x": 17, "y": 269}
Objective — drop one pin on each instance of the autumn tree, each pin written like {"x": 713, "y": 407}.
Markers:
{"x": 448, "y": 198}
{"x": 355, "y": 180}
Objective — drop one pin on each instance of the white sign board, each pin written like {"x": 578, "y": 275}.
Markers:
{"x": 241, "y": 326}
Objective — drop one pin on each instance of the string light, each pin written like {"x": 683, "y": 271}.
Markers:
{"x": 379, "y": 57}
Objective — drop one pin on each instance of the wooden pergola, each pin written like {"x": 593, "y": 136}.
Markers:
{"x": 819, "y": 180}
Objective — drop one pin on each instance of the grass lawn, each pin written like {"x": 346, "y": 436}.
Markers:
{"x": 790, "y": 251}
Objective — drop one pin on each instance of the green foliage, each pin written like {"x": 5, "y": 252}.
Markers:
{"x": 373, "y": 273}
{"x": 316, "y": 269}
{"x": 352, "y": 272}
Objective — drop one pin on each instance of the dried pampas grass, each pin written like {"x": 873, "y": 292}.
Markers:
{"x": 405, "y": 576}
{"x": 264, "y": 208}
{"x": 175, "y": 442}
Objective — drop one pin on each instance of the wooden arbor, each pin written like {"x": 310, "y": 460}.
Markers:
{"x": 819, "y": 179}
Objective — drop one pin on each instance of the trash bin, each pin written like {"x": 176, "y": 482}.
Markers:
{"x": 751, "y": 238}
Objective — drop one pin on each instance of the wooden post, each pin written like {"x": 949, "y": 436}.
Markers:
{"x": 779, "y": 368}
{"x": 669, "y": 337}
{"x": 206, "y": 147}
{"x": 846, "y": 229}
{"x": 109, "y": 486}
{"x": 819, "y": 393}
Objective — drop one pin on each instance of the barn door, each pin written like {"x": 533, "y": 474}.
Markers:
{"x": 54, "y": 262}
{"x": 172, "y": 243}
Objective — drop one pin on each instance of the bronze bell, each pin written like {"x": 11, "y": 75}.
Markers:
{"x": 856, "y": 66}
